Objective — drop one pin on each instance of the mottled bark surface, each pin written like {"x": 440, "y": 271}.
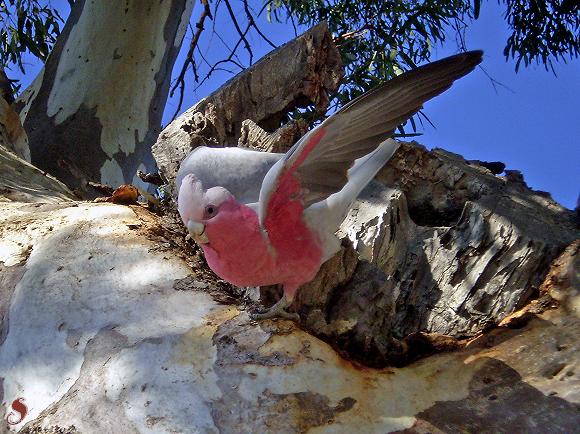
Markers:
{"x": 96, "y": 109}
{"x": 263, "y": 93}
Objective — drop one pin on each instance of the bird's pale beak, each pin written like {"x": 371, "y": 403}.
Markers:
{"x": 197, "y": 232}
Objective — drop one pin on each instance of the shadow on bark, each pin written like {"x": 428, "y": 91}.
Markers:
{"x": 499, "y": 401}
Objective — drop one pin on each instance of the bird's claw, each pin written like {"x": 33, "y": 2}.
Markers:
{"x": 271, "y": 313}
{"x": 278, "y": 310}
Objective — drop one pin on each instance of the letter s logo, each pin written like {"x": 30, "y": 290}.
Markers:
{"x": 18, "y": 412}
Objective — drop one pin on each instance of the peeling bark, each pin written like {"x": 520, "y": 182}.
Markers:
{"x": 96, "y": 109}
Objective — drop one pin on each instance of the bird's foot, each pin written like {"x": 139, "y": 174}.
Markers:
{"x": 278, "y": 310}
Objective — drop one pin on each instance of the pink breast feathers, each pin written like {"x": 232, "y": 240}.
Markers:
{"x": 237, "y": 251}
{"x": 289, "y": 252}
{"x": 242, "y": 254}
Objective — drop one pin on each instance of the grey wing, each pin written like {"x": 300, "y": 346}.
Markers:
{"x": 321, "y": 159}
{"x": 240, "y": 171}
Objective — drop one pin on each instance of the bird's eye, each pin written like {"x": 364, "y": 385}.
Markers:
{"x": 210, "y": 211}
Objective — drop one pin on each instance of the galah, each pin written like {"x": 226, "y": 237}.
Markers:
{"x": 266, "y": 218}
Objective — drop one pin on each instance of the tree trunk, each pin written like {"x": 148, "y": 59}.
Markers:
{"x": 448, "y": 249}
{"x": 96, "y": 108}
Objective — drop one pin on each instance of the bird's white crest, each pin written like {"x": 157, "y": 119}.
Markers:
{"x": 191, "y": 199}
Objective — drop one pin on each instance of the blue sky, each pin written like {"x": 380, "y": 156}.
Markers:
{"x": 532, "y": 125}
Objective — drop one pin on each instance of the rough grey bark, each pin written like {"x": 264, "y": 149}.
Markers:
{"x": 302, "y": 72}
{"x": 96, "y": 108}
{"x": 255, "y": 137}
{"x": 448, "y": 248}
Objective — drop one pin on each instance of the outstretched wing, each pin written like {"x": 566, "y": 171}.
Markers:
{"x": 317, "y": 165}
{"x": 240, "y": 171}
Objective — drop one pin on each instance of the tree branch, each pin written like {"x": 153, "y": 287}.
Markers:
{"x": 252, "y": 23}
{"x": 239, "y": 30}
{"x": 189, "y": 58}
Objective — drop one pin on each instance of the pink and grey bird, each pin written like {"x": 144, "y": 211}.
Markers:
{"x": 265, "y": 219}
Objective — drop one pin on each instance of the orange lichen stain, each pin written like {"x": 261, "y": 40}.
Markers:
{"x": 125, "y": 194}
{"x": 368, "y": 378}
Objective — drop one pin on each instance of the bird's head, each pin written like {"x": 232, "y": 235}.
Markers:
{"x": 197, "y": 207}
